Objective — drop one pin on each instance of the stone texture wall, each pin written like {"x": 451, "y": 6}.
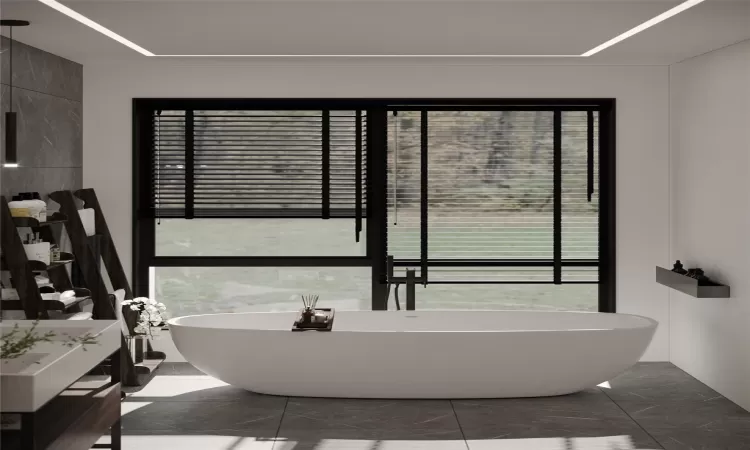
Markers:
{"x": 47, "y": 96}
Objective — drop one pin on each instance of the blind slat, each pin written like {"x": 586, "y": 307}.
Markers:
{"x": 248, "y": 162}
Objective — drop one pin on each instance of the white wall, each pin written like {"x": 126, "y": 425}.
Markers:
{"x": 710, "y": 150}
{"x": 642, "y": 134}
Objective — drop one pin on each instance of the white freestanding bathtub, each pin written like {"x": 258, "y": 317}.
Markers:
{"x": 415, "y": 354}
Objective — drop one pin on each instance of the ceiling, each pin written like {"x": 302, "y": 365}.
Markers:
{"x": 385, "y": 27}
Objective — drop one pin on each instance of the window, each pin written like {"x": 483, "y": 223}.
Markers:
{"x": 258, "y": 236}
{"x": 209, "y": 290}
{"x": 494, "y": 196}
{"x": 503, "y": 203}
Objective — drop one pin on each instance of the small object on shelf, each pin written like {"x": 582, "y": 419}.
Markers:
{"x": 88, "y": 216}
{"x": 314, "y": 320}
{"x": 18, "y": 208}
{"x": 137, "y": 347}
{"x": 51, "y": 296}
{"x": 10, "y": 422}
{"x": 38, "y": 251}
{"x": 68, "y": 297}
{"x": 54, "y": 253}
{"x": 697, "y": 287}
{"x": 699, "y": 275}
{"x": 679, "y": 268}
{"x": 38, "y": 206}
{"x": 9, "y": 294}
{"x": 28, "y": 204}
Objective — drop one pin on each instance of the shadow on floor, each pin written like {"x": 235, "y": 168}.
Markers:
{"x": 652, "y": 406}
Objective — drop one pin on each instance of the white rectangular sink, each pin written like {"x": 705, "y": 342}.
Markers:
{"x": 28, "y": 382}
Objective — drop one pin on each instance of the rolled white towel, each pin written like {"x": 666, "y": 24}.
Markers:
{"x": 68, "y": 297}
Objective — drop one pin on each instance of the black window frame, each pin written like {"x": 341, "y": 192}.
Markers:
{"x": 144, "y": 225}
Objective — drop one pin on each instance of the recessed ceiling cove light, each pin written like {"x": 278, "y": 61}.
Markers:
{"x": 617, "y": 39}
{"x": 370, "y": 56}
{"x": 644, "y": 26}
{"x": 90, "y": 23}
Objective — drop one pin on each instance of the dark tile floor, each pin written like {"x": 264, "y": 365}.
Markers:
{"x": 652, "y": 406}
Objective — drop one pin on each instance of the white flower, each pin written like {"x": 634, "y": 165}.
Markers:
{"x": 149, "y": 315}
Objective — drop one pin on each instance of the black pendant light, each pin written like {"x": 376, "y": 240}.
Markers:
{"x": 11, "y": 129}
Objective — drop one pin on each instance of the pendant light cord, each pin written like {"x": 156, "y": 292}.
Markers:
{"x": 10, "y": 97}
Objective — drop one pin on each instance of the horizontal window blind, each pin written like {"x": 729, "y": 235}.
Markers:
{"x": 491, "y": 196}
{"x": 168, "y": 163}
{"x": 251, "y": 163}
{"x": 345, "y": 137}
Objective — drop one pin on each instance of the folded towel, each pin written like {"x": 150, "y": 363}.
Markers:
{"x": 57, "y": 315}
{"x": 68, "y": 297}
{"x": 9, "y": 294}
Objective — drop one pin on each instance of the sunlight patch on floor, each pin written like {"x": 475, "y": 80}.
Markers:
{"x": 192, "y": 442}
{"x": 368, "y": 444}
{"x": 176, "y": 385}
{"x": 129, "y": 407}
{"x": 559, "y": 443}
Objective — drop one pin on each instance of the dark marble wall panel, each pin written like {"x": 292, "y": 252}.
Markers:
{"x": 42, "y": 180}
{"x": 49, "y": 129}
{"x": 40, "y": 71}
{"x": 47, "y": 96}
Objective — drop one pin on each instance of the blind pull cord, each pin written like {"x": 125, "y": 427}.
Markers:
{"x": 358, "y": 175}
{"x": 590, "y": 155}
{"x": 190, "y": 164}
{"x": 326, "y": 163}
{"x": 158, "y": 166}
{"x": 395, "y": 168}
{"x": 424, "y": 200}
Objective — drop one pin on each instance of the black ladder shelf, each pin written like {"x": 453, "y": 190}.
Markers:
{"x": 90, "y": 266}
{"x": 23, "y": 271}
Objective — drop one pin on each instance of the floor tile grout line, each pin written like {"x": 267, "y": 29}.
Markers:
{"x": 281, "y": 420}
{"x": 632, "y": 418}
{"x": 460, "y": 428}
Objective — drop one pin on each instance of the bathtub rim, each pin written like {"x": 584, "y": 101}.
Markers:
{"x": 650, "y": 324}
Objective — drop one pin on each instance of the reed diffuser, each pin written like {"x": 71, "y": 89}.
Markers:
{"x": 310, "y": 301}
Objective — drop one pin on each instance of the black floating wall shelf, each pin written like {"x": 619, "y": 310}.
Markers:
{"x": 689, "y": 285}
